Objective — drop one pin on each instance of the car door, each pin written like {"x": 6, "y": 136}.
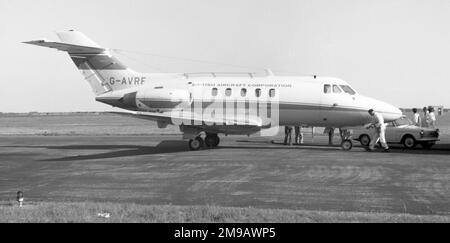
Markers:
{"x": 391, "y": 133}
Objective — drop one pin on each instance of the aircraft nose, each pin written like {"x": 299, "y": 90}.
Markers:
{"x": 389, "y": 112}
{"x": 392, "y": 113}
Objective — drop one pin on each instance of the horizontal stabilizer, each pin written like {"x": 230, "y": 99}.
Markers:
{"x": 70, "y": 48}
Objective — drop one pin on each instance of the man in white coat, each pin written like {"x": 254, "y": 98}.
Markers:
{"x": 379, "y": 131}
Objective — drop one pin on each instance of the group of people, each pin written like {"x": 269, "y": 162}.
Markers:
{"x": 379, "y": 133}
{"x": 298, "y": 138}
{"x": 427, "y": 119}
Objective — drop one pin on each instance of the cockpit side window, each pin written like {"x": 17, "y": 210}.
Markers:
{"x": 347, "y": 89}
{"x": 327, "y": 89}
{"x": 336, "y": 89}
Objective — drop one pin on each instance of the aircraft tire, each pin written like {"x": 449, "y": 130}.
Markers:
{"x": 347, "y": 145}
{"x": 196, "y": 144}
{"x": 212, "y": 140}
{"x": 365, "y": 140}
{"x": 216, "y": 141}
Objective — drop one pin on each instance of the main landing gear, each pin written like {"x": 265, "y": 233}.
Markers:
{"x": 211, "y": 141}
{"x": 196, "y": 143}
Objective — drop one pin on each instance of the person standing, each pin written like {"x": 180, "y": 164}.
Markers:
{"x": 298, "y": 135}
{"x": 432, "y": 118}
{"x": 345, "y": 134}
{"x": 287, "y": 135}
{"x": 425, "y": 121}
{"x": 416, "y": 118}
{"x": 330, "y": 132}
{"x": 379, "y": 133}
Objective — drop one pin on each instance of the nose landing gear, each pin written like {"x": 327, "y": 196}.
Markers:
{"x": 347, "y": 145}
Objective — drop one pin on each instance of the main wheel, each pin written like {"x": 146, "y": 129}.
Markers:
{"x": 365, "y": 140}
{"x": 347, "y": 145}
{"x": 216, "y": 141}
{"x": 196, "y": 144}
{"x": 212, "y": 140}
{"x": 409, "y": 142}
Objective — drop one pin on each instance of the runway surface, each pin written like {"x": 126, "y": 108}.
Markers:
{"x": 242, "y": 172}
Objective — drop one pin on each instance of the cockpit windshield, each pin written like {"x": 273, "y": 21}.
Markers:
{"x": 347, "y": 89}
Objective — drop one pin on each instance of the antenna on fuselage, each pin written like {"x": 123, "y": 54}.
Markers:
{"x": 269, "y": 72}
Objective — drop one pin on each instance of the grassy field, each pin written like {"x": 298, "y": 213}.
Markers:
{"x": 74, "y": 124}
{"x": 134, "y": 213}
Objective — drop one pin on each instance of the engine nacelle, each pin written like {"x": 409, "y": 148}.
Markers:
{"x": 159, "y": 99}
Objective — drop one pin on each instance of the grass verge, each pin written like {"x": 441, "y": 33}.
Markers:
{"x": 80, "y": 212}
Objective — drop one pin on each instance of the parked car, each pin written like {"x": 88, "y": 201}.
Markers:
{"x": 402, "y": 131}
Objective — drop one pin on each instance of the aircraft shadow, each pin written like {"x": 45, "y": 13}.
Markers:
{"x": 164, "y": 147}
{"x": 167, "y": 147}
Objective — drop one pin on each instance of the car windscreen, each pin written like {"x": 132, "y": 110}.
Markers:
{"x": 347, "y": 89}
{"x": 403, "y": 122}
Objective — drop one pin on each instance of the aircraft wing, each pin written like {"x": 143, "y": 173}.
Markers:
{"x": 186, "y": 119}
{"x": 70, "y": 48}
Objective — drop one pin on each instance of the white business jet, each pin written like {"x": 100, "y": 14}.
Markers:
{"x": 204, "y": 105}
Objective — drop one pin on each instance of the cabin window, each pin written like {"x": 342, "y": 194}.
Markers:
{"x": 327, "y": 89}
{"x": 228, "y": 92}
{"x": 243, "y": 92}
{"x": 214, "y": 92}
{"x": 336, "y": 89}
{"x": 258, "y": 93}
{"x": 347, "y": 89}
{"x": 272, "y": 93}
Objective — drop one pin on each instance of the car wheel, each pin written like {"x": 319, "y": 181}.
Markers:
{"x": 409, "y": 142}
{"x": 365, "y": 140}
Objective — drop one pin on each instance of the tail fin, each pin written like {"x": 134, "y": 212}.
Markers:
{"x": 103, "y": 71}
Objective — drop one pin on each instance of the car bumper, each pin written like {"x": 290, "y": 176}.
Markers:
{"x": 428, "y": 140}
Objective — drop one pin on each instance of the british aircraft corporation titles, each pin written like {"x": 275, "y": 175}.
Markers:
{"x": 255, "y": 85}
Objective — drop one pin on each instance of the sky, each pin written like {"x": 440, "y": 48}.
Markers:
{"x": 397, "y": 51}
